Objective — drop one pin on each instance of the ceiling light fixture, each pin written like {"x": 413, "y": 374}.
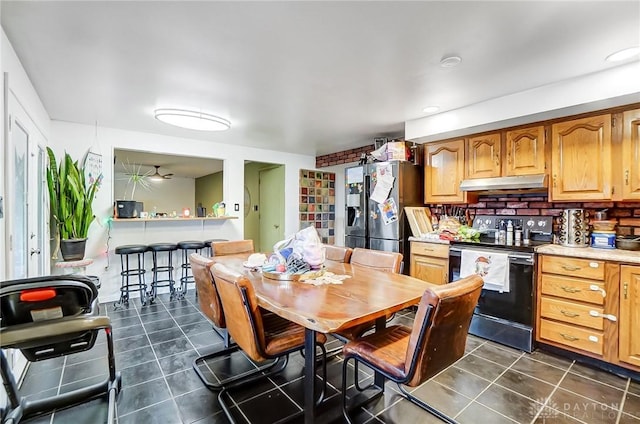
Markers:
{"x": 623, "y": 54}
{"x": 450, "y": 61}
{"x": 192, "y": 120}
{"x": 431, "y": 109}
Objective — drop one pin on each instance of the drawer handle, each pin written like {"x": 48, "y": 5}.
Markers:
{"x": 570, "y": 289}
{"x": 569, "y": 313}
{"x": 569, "y": 337}
{"x": 571, "y": 268}
{"x": 427, "y": 249}
{"x": 594, "y": 287}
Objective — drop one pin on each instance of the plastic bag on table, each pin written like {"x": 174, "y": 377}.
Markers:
{"x": 305, "y": 244}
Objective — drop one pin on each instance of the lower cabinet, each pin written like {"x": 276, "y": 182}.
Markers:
{"x": 430, "y": 262}
{"x": 591, "y": 307}
{"x": 629, "y": 327}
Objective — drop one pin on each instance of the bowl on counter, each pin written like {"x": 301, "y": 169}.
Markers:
{"x": 628, "y": 243}
{"x": 608, "y": 225}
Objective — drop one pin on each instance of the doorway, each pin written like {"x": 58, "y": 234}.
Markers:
{"x": 264, "y": 204}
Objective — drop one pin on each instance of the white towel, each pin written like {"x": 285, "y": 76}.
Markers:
{"x": 491, "y": 266}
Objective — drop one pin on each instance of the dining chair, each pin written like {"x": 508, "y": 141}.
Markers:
{"x": 234, "y": 247}
{"x": 337, "y": 253}
{"x": 380, "y": 261}
{"x": 412, "y": 355}
{"x": 211, "y": 307}
{"x": 260, "y": 335}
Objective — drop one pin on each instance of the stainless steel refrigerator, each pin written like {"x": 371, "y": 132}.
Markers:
{"x": 375, "y": 219}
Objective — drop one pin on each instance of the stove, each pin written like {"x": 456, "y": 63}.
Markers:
{"x": 505, "y": 311}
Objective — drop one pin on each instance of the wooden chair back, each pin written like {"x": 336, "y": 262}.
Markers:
{"x": 338, "y": 253}
{"x": 440, "y": 328}
{"x": 234, "y": 247}
{"x": 244, "y": 320}
{"x": 377, "y": 259}
{"x": 208, "y": 298}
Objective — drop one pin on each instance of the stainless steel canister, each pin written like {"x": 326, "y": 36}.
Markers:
{"x": 574, "y": 228}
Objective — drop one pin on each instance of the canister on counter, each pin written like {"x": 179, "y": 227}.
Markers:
{"x": 603, "y": 239}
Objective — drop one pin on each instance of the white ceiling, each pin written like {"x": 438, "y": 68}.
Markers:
{"x": 303, "y": 77}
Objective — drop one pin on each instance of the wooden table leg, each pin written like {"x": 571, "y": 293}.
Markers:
{"x": 309, "y": 376}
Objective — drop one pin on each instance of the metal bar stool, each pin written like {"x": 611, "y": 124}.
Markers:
{"x": 126, "y": 272}
{"x": 186, "y": 276}
{"x": 158, "y": 248}
{"x": 208, "y": 245}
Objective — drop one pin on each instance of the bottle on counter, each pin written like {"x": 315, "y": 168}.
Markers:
{"x": 502, "y": 234}
{"x": 509, "y": 233}
{"x": 517, "y": 235}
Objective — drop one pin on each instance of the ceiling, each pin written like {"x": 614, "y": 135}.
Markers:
{"x": 302, "y": 77}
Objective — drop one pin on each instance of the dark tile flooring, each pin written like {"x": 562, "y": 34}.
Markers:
{"x": 156, "y": 344}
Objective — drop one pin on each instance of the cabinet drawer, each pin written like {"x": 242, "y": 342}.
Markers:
{"x": 576, "y": 337}
{"x": 572, "y": 313}
{"x": 430, "y": 249}
{"x": 573, "y": 267}
{"x": 573, "y": 288}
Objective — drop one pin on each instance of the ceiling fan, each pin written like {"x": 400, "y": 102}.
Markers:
{"x": 157, "y": 176}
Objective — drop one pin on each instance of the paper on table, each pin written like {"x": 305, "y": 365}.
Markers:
{"x": 383, "y": 187}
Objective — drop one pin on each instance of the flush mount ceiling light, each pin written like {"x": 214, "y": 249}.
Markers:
{"x": 431, "y": 109}
{"x": 450, "y": 61}
{"x": 623, "y": 54}
{"x": 192, "y": 120}
{"x": 158, "y": 176}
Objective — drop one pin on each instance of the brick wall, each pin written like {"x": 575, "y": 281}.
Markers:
{"x": 346, "y": 156}
{"x": 627, "y": 214}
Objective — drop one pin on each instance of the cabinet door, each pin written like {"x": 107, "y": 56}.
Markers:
{"x": 443, "y": 172}
{"x": 629, "y": 336}
{"x": 525, "y": 153}
{"x": 631, "y": 155}
{"x": 581, "y": 159}
{"x": 429, "y": 269}
{"x": 483, "y": 156}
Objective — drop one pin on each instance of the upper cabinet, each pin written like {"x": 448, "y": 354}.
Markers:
{"x": 631, "y": 155}
{"x": 581, "y": 159}
{"x": 525, "y": 151}
{"x": 483, "y": 156}
{"x": 444, "y": 171}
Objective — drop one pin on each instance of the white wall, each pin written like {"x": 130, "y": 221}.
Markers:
{"x": 167, "y": 195}
{"x": 613, "y": 87}
{"x": 76, "y": 139}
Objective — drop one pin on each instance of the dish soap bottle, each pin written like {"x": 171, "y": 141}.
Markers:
{"x": 509, "y": 232}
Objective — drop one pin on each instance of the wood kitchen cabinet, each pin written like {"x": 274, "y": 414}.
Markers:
{"x": 629, "y": 328}
{"x": 443, "y": 172}
{"x": 430, "y": 262}
{"x": 483, "y": 155}
{"x": 525, "y": 151}
{"x": 631, "y": 155}
{"x": 581, "y": 159}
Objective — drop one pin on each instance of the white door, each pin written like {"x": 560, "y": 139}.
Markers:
{"x": 271, "y": 207}
{"x": 26, "y": 231}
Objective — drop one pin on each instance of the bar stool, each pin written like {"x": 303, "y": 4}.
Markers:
{"x": 208, "y": 244}
{"x": 125, "y": 251}
{"x": 158, "y": 248}
{"x": 187, "y": 247}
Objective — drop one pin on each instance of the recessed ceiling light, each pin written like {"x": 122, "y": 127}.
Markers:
{"x": 623, "y": 54}
{"x": 192, "y": 120}
{"x": 431, "y": 109}
{"x": 450, "y": 61}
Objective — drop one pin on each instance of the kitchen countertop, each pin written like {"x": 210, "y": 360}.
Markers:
{"x": 617, "y": 255}
{"x": 429, "y": 240}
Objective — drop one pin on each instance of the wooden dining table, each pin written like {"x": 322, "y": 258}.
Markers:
{"x": 367, "y": 295}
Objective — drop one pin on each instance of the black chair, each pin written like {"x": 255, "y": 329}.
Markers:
{"x": 411, "y": 356}
{"x": 48, "y": 317}
{"x": 186, "y": 276}
{"x": 126, "y": 272}
{"x": 156, "y": 249}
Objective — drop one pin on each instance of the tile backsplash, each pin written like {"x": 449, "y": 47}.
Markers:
{"x": 627, "y": 214}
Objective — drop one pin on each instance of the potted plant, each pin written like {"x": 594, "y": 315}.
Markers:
{"x": 70, "y": 200}
{"x": 130, "y": 208}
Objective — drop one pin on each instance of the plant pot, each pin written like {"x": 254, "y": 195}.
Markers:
{"x": 73, "y": 249}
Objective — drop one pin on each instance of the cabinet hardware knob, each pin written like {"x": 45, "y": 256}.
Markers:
{"x": 626, "y": 177}
{"x": 569, "y": 313}
{"x": 625, "y": 290}
{"x": 569, "y": 337}
{"x": 555, "y": 183}
{"x": 570, "y": 289}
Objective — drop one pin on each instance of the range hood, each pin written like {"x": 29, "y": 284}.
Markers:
{"x": 537, "y": 181}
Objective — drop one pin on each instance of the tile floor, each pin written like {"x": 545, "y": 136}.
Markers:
{"x": 156, "y": 344}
